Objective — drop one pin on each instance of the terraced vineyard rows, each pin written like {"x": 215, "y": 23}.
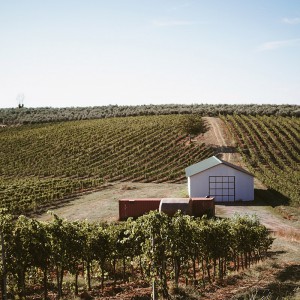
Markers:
{"x": 271, "y": 148}
{"x": 43, "y": 164}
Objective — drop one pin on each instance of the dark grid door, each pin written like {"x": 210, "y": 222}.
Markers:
{"x": 222, "y": 188}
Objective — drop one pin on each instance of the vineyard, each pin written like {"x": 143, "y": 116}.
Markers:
{"x": 270, "y": 147}
{"x": 37, "y": 257}
{"x": 45, "y": 164}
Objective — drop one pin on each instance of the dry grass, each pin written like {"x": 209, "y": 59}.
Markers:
{"x": 103, "y": 205}
{"x": 268, "y": 280}
{"x": 292, "y": 235}
{"x": 126, "y": 187}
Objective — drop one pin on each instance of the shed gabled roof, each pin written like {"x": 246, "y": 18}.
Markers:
{"x": 210, "y": 163}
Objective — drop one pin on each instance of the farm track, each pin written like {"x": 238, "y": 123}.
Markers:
{"x": 217, "y": 129}
{"x": 220, "y": 139}
{"x": 266, "y": 214}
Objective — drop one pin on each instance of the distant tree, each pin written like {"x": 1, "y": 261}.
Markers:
{"x": 193, "y": 124}
{"x": 296, "y": 113}
{"x": 20, "y": 99}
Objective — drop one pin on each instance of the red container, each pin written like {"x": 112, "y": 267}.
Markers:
{"x": 137, "y": 207}
{"x": 203, "y": 206}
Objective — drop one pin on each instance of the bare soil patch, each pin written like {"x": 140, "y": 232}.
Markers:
{"x": 219, "y": 138}
{"x": 103, "y": 205}
{"x": 266, "y": 214}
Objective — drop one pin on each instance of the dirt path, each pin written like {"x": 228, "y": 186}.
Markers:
{"x": 219, "y": 138}
{"x": 266, "y": 215}
{"x": 218, "y": 132}
{"x": 279, "y": 276}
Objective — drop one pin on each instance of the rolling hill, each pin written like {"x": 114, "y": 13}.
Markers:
{"x": 47, "y": 163}
{"x": 44, "y": 164}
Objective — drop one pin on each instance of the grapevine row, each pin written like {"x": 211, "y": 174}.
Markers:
{"x": 45, "y": 164}
{"x": 153, "y": 248}
{"x": 270, "y": 147}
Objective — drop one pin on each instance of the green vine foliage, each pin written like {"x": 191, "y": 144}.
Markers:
{"x": 193, "y": 124}
{"x": 154, "y": 248}
{"x": 50, "y": 163}
{"x": 270, "y": 146}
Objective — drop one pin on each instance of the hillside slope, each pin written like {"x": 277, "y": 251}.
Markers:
{"x": 44, "y": 164}
{"x": 270, "y": 147}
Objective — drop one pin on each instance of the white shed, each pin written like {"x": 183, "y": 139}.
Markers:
{"x": 220, "y": 179}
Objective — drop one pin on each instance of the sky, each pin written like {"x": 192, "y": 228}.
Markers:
{"x": 62, "y": 53}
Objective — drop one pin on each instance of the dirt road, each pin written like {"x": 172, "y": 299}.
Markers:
{"x": 217, "y": 130}
{"x": 266, "y": 215}
{"x": 219, "y": 138}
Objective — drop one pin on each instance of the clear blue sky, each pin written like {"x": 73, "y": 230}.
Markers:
{"x": 84, "y": 53}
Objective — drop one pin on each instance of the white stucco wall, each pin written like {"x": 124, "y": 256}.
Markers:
{"x": 198, "y": 184}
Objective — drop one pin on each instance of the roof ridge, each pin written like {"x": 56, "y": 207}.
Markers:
{"x": 210, "y": 163}
{"x": 219, "y": 159}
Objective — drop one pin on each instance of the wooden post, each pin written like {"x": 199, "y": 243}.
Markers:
{"x": 4, "y": 291}
{"x": 153, "y": 279}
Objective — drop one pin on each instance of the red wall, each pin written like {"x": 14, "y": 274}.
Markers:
{"x": 137, "y": 207}
{"x": 203, "y": 206}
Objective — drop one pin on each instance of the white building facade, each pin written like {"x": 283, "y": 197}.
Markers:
{"x": 219, "y": 179}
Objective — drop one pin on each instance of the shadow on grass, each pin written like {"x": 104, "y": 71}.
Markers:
{"x": 273, "y": 254}
{"x": 143, "y": 297}
{"x": 290, "y": 273}
{"x": 285, "y": 286}
{"x": 270, "y": 197}
{"x": 188, "y": 293}
{"x": 274, "y": 291}
{"x": 261, "y": 198}
{"x": 220, "y": 150}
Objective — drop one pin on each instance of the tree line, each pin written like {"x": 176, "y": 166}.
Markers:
{"x": 23, "y": 115}
{"x": 154, "y": 248}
